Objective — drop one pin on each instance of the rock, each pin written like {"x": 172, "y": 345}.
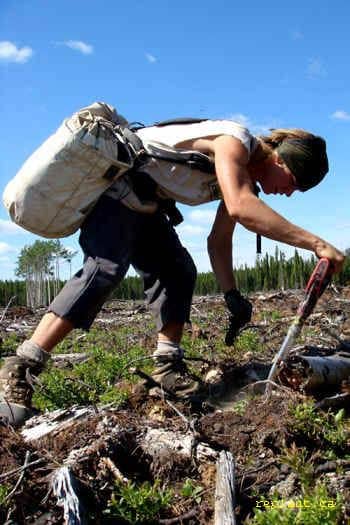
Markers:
{"x": 214, "y": 376}
{"x": 285, "y": 488}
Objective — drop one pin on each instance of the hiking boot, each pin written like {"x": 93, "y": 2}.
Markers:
{"x": 16, "y": 383}
{"x": 175, "y": 378}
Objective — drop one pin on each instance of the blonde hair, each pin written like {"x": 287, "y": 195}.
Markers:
{"x": 268, "y": 143}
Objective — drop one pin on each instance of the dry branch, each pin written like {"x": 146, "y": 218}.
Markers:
{"x": 20, "y": 479}
{"x": 14, "y": 471}
{"x": 108, "y": 464}
{"x": 337, "y": 401}
{"x": 6, "y": 308}
{"x": 225, "y": 490}
{"x": 62, "y": 360}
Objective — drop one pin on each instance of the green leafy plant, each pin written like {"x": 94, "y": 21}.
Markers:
{"x": 248, "y": 341}
{"x": 191, "y": 490}
{"x": 275, "y": 315}
{"x": 298, "y": 460}
{"x": 239, "y": 407}
{"x": 9, "y": 344}
{"x": 90, "y": 382}
{"x": 4, "y": 492}
{"x": 138, "y": 504}
{"x": 315, "y": 507}
{"x": 270, "y": 315}
{"x": 313, "y": 424}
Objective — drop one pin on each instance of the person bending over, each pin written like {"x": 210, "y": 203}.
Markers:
{"x": 118, "y": 233}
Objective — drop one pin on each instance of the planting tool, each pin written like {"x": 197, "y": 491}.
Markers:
{"x": 317, "y": 284}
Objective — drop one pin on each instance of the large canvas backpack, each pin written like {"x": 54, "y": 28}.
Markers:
{"x": 61, "y": 181}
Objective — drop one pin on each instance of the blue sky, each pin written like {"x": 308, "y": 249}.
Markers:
{"x": 267, "y": 64}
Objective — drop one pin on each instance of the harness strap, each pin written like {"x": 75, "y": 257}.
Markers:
{"x": 134, "y": 126}
{"x": 133, "y": 140}
{"x": 181, "y": 120}
{"x": 194, "y": 159}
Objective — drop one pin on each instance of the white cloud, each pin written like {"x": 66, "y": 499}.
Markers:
{"x": 190, "y": 229}
{"x": 80, "y": 46}
{"x": 9, "y": 52}
{"x": 316, "y": 68}
{"x": 6, "y": 248}
{"x": 202, "y": 216}
{"x": 151, "y": 58}
{"x": 242, "y": 119}
{"x": 257, "y": 129}
{"x": 8, "y": 227}
{"x": 340, "y": 115}
{"x": 343, "y": 226}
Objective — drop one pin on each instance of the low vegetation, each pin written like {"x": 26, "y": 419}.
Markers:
{"x": 315, "y": 506}
{"x": 282, "y": 441}
{"x": 138, "y": 504}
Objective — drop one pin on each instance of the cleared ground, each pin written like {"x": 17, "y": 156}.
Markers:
{"x": 290, "y": 457}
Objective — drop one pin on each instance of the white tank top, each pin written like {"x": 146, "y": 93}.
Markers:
{"x": 179, "y": 181}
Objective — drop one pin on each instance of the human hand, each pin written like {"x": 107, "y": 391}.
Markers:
{"x": 336, "y": 257}
{"x": 241, "y": 313}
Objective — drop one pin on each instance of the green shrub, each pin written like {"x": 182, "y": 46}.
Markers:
{"x": 9, "y": 344}
{"x": 313, "y": 508}
{"x": 138, "y": 504}
{"x": 332, "y": 429}
{"x": 90, "y": 382}
{"x": 248, "y": 341}
{"x": 191, "y": 490}
{"x": 299, "y": 461}
{"x": 239, "y": 407}
{"x": 4, "y": 492}
{"x": 270, "y": 315}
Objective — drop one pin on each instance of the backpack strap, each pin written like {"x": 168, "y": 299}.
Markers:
{"x": 194, "y": 159}
{"x": 134, "y": 126}
{"x": 181, "y": 120}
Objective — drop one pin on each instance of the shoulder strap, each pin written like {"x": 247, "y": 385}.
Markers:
{"x": 181, "y": 120}
{"x": 134, "y": 126}
{"x": 194, "y": 159}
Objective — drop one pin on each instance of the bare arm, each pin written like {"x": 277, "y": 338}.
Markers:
{"x": 220, "y": 248}
{"x": 243, "y": 206}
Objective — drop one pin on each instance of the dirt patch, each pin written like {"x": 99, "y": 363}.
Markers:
{"x": 257, "y": 431}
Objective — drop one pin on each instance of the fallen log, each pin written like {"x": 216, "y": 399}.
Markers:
{"x": 54, "y": 422}
{"x": 159, "y": 442}
{"x": 225, "y": 490}
{"x": 307, "y": 373}
{"x": 155, "y": 442}
{"x": 64, "y": 360}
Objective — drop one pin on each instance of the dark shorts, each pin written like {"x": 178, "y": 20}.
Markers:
{"x": 113, "y": 237}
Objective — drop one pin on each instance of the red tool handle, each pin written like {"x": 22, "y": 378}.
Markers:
{"x": 317, "y": 284}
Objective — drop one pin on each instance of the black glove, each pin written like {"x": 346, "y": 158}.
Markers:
{"x": 241, "y": 313}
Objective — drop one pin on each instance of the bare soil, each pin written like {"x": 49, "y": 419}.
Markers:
{"x": 256, "y": 430}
